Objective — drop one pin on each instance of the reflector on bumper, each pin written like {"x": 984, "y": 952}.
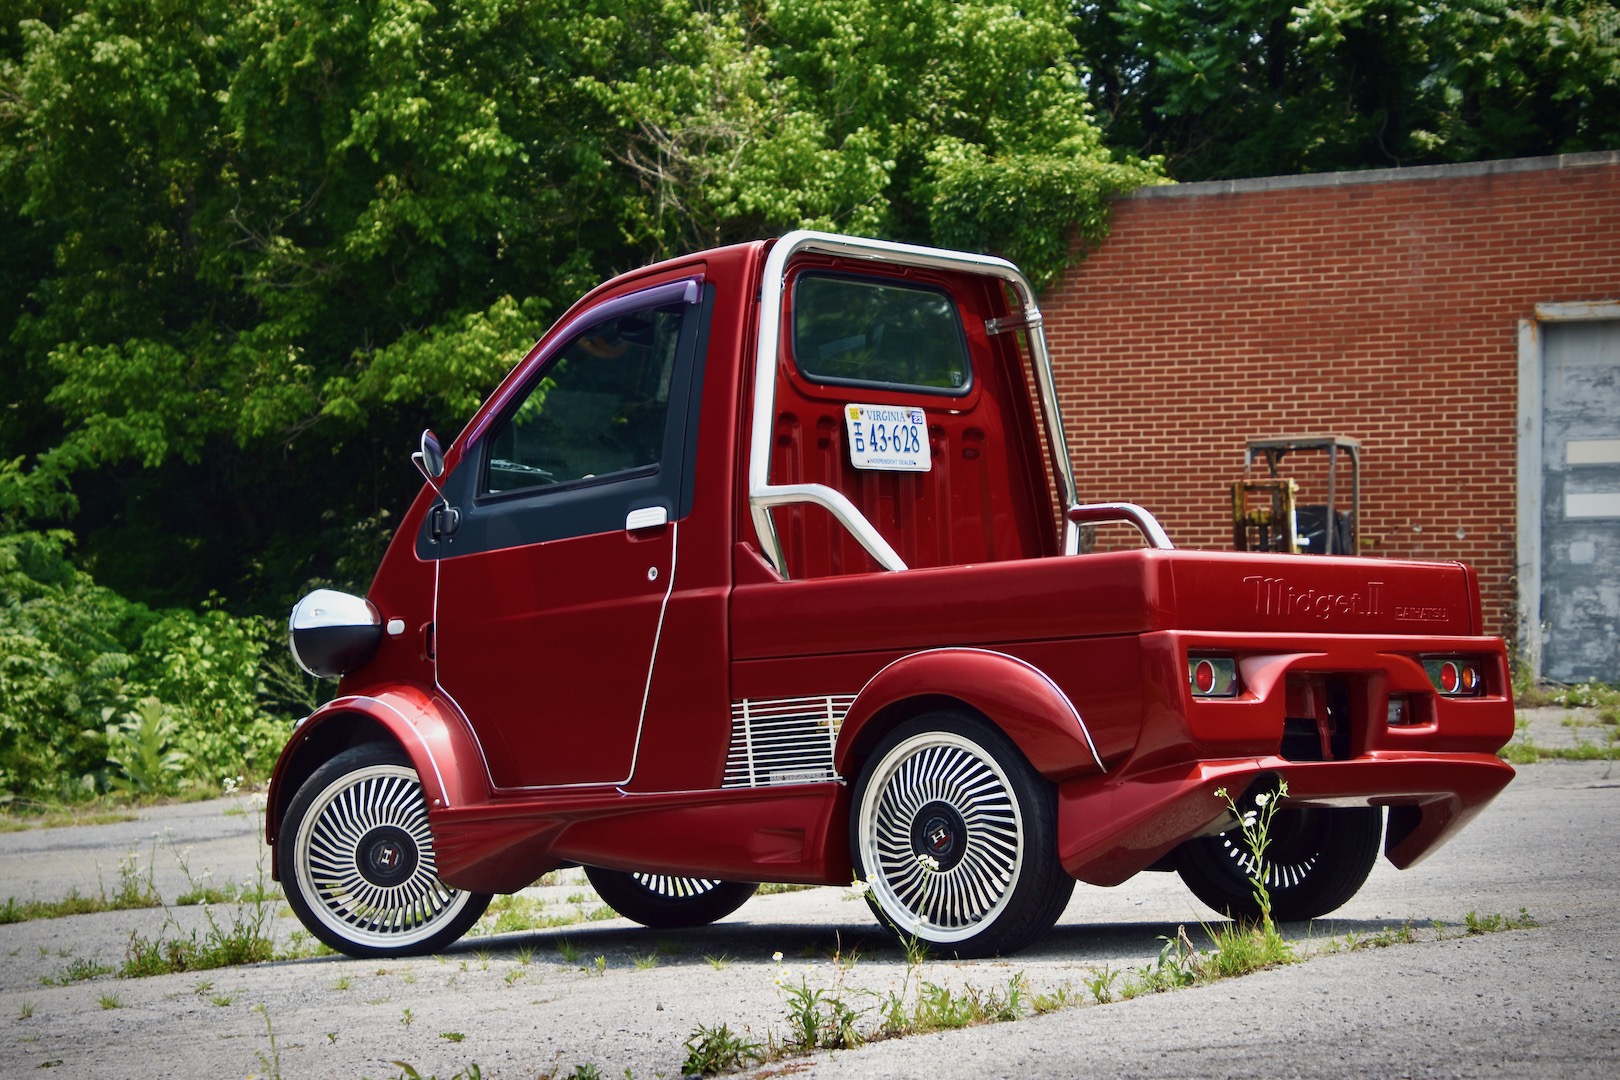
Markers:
{"x": 1212, "y": 676}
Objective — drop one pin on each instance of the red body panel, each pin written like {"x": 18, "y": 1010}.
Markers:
{"x": 589, "y": 697}
{"x": 1111, "y": 828}
{"x": 432, "y": 732}
{"x": 1024, "y": 701}
{"x": 777, "y": 834}
{"x": 516, "y": 628}
{"x": 1226, "y": 591}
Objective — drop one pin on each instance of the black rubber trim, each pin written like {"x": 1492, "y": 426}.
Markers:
{"x": 585, "y": 507}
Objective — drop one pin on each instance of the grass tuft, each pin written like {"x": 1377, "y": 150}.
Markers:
{"x": 711, "y": 1050}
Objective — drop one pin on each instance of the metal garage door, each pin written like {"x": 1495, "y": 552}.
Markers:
{"x": 1580, "y": 568}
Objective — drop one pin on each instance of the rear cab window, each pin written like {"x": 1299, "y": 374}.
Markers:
{"x": 893, "y": 335}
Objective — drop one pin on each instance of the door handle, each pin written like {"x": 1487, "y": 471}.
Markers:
{"x": 648, "y": 517}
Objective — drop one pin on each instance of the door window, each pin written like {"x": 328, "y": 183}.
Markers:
{"x": 600, "y": 411}
{"x": 603, "y": 429}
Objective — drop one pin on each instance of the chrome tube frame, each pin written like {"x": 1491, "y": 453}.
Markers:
{"x": 1130, "y": 513}
{"x": 763, "y": 495}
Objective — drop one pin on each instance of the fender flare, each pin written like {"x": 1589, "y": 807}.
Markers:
{"x": 426, "y": 725}
{"x": 1019, "y": 698}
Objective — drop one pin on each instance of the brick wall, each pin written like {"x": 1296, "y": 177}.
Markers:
{"x": 1381, "y": 305}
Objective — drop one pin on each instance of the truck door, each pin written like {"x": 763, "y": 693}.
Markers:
{"x": 558, "y": 560}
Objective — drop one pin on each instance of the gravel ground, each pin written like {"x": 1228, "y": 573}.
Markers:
{"x": 1540, "y": 1002}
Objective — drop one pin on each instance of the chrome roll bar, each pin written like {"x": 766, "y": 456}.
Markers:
{"x": 763, "y": 495}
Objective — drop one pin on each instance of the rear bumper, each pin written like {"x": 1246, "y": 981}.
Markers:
{"x": 1112, "y": 827}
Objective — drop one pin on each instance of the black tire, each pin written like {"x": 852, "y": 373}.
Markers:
{"x": 356, "y": 859}
{"x": 956, "y": 836}
{"x": 1316, "y": 860}
{"x": 665, "y": 901}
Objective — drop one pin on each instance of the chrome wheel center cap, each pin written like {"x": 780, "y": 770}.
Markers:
{"x": 939, "y": 836}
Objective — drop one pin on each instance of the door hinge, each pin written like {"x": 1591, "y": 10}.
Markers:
{"x": 445, "y": 520}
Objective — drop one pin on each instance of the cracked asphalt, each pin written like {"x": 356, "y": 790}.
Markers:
{"x": 1540, "y": 1002}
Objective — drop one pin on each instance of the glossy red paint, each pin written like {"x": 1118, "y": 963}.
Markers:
{"x": 789, "y": 833}
{"x": 502, "y": 625}
{"x": 1113, "y": 827}
{"x": 652, "y": 693}
{"x": 1023, "y": 700}
{"x": 1229, "y": 591}
{"x": 1056, "y": 598}
{"x": 438, "y": 740}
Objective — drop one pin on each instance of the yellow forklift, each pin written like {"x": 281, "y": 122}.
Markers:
{"x": 1266, "y": 515}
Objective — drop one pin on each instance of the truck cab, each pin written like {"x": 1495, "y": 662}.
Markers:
{"x": 766, "y": 564}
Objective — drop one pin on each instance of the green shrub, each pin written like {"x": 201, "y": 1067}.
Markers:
{"x": 99, "y": 693}
{"x": 63, "y": 667}
{"x": 207, "y": 667}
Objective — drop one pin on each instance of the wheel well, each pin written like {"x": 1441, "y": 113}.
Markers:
{"x": 896, "y": 713}
{"x": 329, "y": 739}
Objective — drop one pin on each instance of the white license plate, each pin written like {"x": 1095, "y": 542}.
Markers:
{"x": 888, "y": 437}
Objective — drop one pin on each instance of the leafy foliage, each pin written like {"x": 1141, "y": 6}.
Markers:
{"x": 99, "y": 693}
{"x": 1227, "y": 88}
{"x": 258, "y": 246}
{"x": 62, "y": 664}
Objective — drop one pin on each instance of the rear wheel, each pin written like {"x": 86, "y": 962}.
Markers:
{"x": 957, "y": 837}
{"x": 1316, "y": 861}
{"x": 356, "y": 859}
{"x": 665, "y": 901}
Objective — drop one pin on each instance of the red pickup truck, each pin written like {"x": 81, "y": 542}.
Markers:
{"x": 767, "y": 564}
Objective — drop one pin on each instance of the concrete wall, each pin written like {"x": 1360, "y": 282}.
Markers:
{"x": 1382, "y": 305}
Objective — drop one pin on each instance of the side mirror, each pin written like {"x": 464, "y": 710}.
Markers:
{"x": 430, "y": 459}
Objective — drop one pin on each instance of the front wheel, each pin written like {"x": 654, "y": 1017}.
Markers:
{"x": 956, "y": 835}
{"x": 1315, "y": 862}
{"x": 665, "y": 901}
{"x": 356, "y": 859}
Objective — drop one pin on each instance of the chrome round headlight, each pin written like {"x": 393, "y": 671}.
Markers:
{"x": 332, "y": 633}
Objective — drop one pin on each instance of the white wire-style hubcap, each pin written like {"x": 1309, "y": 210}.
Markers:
{"x": 941, "y": 836}
{"x": 676, "y": 888}
{"x": 365, "y": 862}
{"x": 1290, "y": 857}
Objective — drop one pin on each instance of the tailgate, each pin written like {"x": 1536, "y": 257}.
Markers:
{"x": 1320, "y": 594}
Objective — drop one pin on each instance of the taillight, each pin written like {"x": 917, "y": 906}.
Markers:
{"x": 1455, "y": 676}
{"x": 1212, "y": 676}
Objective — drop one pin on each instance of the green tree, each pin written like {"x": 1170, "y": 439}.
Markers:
{"x": 98, "y": 692}
{"x": 1226, "y": 88}
{"x": 261, "y": 244}
{"x": 911, "y": 119}
{"x": 280, "y": 233}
